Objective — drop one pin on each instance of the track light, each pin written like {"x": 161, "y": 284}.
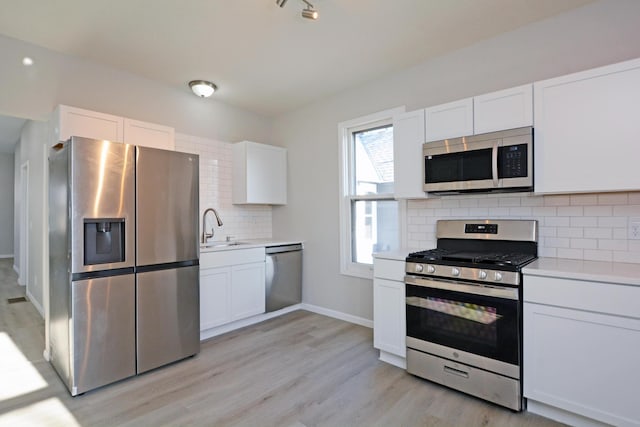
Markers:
{"x": 202, "y": 88}
{"x": 309, "y": 12}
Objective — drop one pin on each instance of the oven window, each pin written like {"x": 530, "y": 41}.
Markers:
{"x": 470, "y": 165}
{"x": 486, "y": 326}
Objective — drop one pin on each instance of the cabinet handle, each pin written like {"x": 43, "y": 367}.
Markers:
{"x": 494, "y": 163}
{"x": 455, "y": 371}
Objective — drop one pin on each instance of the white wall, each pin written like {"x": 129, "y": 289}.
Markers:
{"x": 6, "y": 204}
{"x": 598, "y": 34}
{"x": 31, "y": 149}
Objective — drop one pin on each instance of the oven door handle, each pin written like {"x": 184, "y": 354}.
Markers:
{"x": 467, "y": 288}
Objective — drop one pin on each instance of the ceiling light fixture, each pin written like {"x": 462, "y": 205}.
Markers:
{"x": 202, "y": 88}
{"x": 309, "y": 12}
{"x": 27, "y": 62}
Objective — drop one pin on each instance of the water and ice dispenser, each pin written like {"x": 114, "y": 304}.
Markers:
{"x": 103, "y": 240}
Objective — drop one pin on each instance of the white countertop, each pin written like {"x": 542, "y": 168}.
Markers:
{"x": 597, "y": 271}
{"x": 250, "y": 243}
{"x": 398, "y": 255}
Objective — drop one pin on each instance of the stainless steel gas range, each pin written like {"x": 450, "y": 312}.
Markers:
{"x": 464, "y": 307}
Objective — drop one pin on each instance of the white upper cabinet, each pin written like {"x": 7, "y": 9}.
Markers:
{"x": 259, "y": 174}
{"x": 71, "y": 121}
{"x": 504, "y": 109}
{"x": 408, "y": 137}
{"x": 587, "y": 131}
{"x": 149, "y": 134}
{"x": 449, "y": 120}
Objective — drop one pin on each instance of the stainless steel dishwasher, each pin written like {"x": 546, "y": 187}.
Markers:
{"x": 283, "y": 276}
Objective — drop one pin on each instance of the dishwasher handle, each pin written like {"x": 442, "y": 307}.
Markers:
{"x": 282, "y": 248}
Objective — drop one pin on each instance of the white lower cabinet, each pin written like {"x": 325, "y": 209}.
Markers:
{"x": 215, "y": 297}
{"x": 232, "y": 286}
{"x": 389, "y": 320}
{"x": 247, "y": 290}
{"x": 581, "y": 350}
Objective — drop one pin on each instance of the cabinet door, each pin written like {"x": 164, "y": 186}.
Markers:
{"x": 259, "y": 174}
{"x": 450, "y": 120}
{"x": 582, "y": 362}
{"x": 149, "y": 134}
{"x": 247, "y": 290}
{"x": 215, "y": 297}
{"x": 71, "y": 121}
{"x": 389, "y": 320}
{"x": 586, "y": 130}
{"x": 408, "y": 163}
{"x": 505, "y": 109}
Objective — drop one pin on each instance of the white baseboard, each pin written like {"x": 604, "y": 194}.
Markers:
{"x": 338, "y": 315}
{"x": 35, "y": 303}
{"x": 393, "y": 359}
{"x": 6, "y": 256}
{"x": 16, "y": 269}
{"x": 561, "y": 415}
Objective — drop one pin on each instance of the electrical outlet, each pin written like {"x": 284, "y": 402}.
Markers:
{"x": 634, "y": 228}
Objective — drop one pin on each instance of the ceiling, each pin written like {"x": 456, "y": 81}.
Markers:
{"x": 264, "y": 58}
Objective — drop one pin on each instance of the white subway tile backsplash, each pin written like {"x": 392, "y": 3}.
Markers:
{"x": 571, "y": 232}
{"x": 613, "y": 199}
{"x": 584, "y": 243}
{"x": 241, "y": 222}
{"x": 579, "y": 226}
{"x": 613, "y": 245}
{"x": 557, "y": 200}
{"x": 584, "y": 221}
{"x": 570, "y": 253}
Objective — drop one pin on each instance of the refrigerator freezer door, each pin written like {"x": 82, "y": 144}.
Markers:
{"x": 167, "y": 206}
{"x": 101, "y": 189}
{"x": 103, "y": 331}
{"x": 168, "y": 316}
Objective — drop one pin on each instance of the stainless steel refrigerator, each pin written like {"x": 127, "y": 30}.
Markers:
{"x": 123, "y": 260}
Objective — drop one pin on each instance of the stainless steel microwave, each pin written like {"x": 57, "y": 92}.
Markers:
{"x": 496, "y": 161}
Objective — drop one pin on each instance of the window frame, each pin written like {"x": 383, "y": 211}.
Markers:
{"x": 347, "y": 193}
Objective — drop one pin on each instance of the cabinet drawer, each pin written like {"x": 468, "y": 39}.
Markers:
{"x": 231, "y": 257}
{"x": 389, "y": 269}
{"x": 601, "y": 297}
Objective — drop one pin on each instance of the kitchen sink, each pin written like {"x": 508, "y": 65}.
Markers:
{"x": 221, "y": 244}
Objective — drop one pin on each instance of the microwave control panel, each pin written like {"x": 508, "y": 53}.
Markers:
{"x": 512, "y": 161}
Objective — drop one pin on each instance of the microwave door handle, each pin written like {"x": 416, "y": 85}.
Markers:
{"x": 494, "y": 163}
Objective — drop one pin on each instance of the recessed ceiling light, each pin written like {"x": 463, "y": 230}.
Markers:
{"x": 27, "y": 62}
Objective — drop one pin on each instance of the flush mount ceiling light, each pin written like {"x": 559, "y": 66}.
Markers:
{"x": 202, "y": 88}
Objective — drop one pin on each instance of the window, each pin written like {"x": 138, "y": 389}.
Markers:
{"x": 369, "y": 220}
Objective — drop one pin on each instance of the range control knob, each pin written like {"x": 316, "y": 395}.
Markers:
{"x": 418, "y": 268}
{"x": 498, "y": 277}
{"x": 455, "y": 271}
{"x": 431, "y": 269}
{"x": 482, "y": 274}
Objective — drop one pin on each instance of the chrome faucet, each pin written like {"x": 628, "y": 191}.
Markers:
{"x": 206, "y": 235}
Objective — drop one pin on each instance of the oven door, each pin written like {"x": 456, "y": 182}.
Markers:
{"x": 473, "y": 324}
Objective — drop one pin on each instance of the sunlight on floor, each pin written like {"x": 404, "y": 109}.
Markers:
{"x": 49, "y": 412}
{"x": 18, "y": 374}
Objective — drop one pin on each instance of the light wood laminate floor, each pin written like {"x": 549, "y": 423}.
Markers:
{"x": 301, "y": 369}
